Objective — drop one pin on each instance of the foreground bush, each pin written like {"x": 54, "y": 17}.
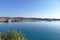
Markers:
{"x": 12, "y": 35}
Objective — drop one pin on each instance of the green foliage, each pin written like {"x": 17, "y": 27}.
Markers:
{"x": 12, "y": 35}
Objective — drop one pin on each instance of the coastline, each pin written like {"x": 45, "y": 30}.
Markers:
{"x": 23, "y": 19}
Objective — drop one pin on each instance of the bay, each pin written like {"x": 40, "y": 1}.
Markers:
{"x": 35, "y": 30}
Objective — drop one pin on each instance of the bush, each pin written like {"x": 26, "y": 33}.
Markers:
{"x": 12, "y": 35}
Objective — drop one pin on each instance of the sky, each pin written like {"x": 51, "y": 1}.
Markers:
{"x": 30, "y": 8}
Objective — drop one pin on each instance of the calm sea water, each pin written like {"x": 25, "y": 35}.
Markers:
{"x": 35, "y": 30}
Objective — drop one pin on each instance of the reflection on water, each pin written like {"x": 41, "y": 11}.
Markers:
{"x": 35, "y": 30}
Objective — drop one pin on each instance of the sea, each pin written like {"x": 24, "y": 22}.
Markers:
{"x": 35, "y": 30}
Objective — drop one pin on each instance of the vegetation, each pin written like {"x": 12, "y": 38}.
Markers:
{"x": 12, "y": 35}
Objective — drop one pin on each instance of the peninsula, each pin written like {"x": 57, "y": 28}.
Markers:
{"x": 23, "y": 19}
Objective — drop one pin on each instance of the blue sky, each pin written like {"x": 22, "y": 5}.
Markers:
{"x": 30, "y": 8}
